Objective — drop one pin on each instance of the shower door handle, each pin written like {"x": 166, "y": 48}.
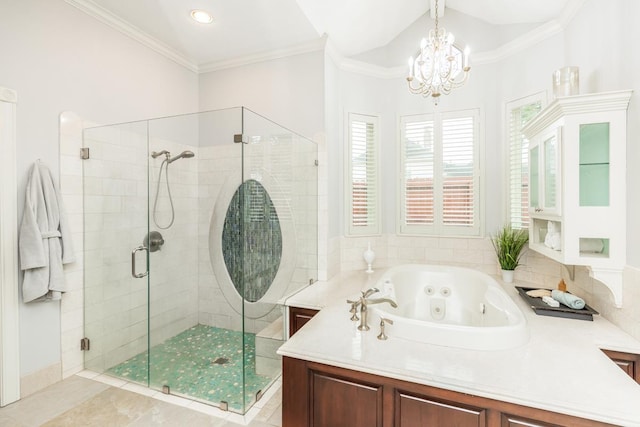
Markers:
{"x": 133, "y": 263}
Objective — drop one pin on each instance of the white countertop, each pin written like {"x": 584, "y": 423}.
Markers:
{"x": 560, "y": 369}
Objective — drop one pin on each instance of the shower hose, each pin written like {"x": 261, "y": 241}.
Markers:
{"x": 165, "y": 165}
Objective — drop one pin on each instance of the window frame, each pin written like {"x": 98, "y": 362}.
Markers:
{"x": 509, "y": 107}
{"x": 438, "y": 228}
{"x": 374, "y": 226}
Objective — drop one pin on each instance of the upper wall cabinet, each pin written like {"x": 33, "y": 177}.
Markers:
{"x": 577, "y": 184}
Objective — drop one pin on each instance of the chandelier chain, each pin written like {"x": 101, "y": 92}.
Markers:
{"x": 437, "y": 17}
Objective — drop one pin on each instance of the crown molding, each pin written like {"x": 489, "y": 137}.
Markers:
{"x": 126, "y": 28}
{"x": 511, "y": 48}
{"x": 578, "y": 104}
{"x": 500, "y": 53}
{"x": 299, "y": 49}
{"x": 519, "y": 44}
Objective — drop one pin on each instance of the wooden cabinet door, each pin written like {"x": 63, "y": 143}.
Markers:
{"x": 341, "y": 402}
{"x": 628, "y": 362}
{"x": 515, "y": 421}
{"x": 419, "y": 411}
{"x": 298, "y": 317}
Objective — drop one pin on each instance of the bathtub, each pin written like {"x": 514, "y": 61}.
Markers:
{"x": 450, "y": 306}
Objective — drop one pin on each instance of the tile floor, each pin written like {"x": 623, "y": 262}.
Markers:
{"x": 187, "y": 362}
{"x": 80, "y": 401}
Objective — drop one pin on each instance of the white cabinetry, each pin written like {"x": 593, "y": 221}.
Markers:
{"x": 577, "y": 184}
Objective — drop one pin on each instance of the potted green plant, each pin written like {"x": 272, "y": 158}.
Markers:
{"x": 508, "y": 244}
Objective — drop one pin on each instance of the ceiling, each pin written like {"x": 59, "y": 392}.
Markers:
{"x": 244, "y": 28}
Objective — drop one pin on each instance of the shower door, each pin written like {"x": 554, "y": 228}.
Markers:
{"x": 153, "y": 315}
{"x": 116, "y": 292}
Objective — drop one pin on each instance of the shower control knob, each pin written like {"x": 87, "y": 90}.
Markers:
{"x": 153, "y": 241}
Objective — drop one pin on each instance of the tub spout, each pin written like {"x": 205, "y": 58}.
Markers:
{"x": 381, "y": 300}
{"x": 364, "y": 302}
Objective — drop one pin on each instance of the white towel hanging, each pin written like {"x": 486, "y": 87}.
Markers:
{"x": 45, "y": 238}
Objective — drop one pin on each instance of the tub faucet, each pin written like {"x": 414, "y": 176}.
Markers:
{"x": 364, "y": 302}
{"x": 358, "y": 302}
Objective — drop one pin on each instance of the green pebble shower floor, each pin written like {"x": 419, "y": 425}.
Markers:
{"x": 186, "y": 363}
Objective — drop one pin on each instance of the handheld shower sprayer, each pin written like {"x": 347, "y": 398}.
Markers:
{"x": 165, "y": 164}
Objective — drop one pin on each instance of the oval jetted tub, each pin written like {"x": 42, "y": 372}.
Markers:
{"x": 450, "y": 306}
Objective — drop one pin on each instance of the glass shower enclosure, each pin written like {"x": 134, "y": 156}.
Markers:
{"x": 196, "y": 227}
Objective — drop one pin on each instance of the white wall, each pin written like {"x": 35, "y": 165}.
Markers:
{"x": 58, "y": 59}
{"x": 288, "y": 91}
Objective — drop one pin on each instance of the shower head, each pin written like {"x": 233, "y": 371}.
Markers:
{"x": 155, "y": 154}
{"x": 185, "y": 154}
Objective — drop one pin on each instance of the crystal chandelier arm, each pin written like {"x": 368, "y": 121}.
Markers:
{"x": 440, "y": 65}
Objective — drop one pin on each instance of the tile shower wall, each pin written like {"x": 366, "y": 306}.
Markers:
{"x": 286, "y": 161}
{"x": 116, "y": 202}
{"x": 184, "y": 290}
{"x": 114, "y": 212}
{"x": 174, "y": 268}
{"x": 216, "y": 166}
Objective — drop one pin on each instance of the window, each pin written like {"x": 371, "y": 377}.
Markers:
{"x": 518, "y": 114}
{"x": 363, "y": 197}
{"x": 439, "y": 161}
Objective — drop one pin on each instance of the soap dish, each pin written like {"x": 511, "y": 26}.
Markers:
{"x": 542, "y": 309}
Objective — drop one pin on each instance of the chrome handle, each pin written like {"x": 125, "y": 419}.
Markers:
{"x": 354, "y": 310}
{"x": 382, "y": 336}
{"x": 133, "y": 263}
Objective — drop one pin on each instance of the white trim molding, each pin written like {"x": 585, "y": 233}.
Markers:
{"x": 103, "y": 15}
{"x": 299, "y": 49}
{"x": 9, "y": 315}
{"x": 513, "y": 47}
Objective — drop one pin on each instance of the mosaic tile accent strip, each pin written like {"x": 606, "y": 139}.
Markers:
{"x": 203, "y": 362}
{"x": 252, "y": 240}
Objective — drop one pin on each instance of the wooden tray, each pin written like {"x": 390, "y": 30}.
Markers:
{"x": 541, "y": 308}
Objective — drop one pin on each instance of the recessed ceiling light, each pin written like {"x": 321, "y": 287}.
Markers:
{"x": 201, "y": 16}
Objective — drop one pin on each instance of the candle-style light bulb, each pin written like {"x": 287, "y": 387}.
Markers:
{"x": 411, "y": 66}
{"x": 466, "y": 56}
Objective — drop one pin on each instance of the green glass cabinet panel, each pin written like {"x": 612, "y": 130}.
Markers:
{"x": 594, "y": 164}
{"x": 534, "y": 177}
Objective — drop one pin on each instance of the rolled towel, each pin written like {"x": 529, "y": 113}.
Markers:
{"x": 567, "y": 299}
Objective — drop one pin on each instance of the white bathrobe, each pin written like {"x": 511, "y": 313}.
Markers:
{"x": 45, "y": 238}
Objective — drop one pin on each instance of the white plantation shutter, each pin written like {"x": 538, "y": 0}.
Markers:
{"x": 439, "y": 189}
{"x": 417, "y": 154}
{"x": 458, "y": 158}
{"x": 363, "y": 175}
{"x": 519, "y": 113}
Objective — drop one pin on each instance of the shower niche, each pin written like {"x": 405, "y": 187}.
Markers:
{"x": 234, "y": 197}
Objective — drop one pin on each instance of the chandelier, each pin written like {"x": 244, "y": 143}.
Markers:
{"x": 440, "y": 66}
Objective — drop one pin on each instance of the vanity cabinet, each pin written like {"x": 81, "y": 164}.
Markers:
{"x": 318, "y": 395}
{"x": 577, "y": 184}
{"x": 298, "y": 317}
{"x": 628, "y": 362}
